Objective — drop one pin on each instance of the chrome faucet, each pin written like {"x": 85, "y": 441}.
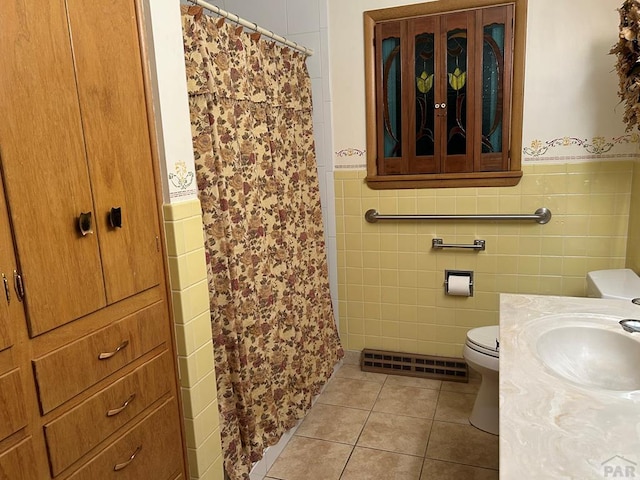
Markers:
{"x": 630, "y": 325}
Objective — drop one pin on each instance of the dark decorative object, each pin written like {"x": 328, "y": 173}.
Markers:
{"x": 628, "y": 65}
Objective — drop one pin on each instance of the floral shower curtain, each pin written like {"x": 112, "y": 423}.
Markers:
{"x": 275, "y": 340}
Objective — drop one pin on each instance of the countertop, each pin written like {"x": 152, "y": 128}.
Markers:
{"x": 551, "y": 428}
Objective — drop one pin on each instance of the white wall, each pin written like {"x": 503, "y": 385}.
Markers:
{"x": 171, "y": 102}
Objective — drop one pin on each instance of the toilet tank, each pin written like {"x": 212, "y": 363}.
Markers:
{"x": 621, "y": 283}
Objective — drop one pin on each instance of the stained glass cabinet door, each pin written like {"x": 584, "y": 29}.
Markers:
{"x": 442, "y": 95}
{"x": 495, "y": 57}
{"x": 391, "y": 120}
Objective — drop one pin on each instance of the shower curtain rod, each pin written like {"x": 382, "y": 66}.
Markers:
{"x": 253, "y": 26}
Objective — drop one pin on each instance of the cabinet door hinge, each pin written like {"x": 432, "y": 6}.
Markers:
{"x": 157, "y": 243}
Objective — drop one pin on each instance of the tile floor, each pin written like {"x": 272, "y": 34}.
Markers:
{"x": 385, "y": 427}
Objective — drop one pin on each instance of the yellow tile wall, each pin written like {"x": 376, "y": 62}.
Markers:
{"x": 190, "y": 297}
{"x": 633, "y": 242}
{"x": 390, "y": 280}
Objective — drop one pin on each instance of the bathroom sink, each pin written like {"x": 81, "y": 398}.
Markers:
{"x": 592, "y": 357}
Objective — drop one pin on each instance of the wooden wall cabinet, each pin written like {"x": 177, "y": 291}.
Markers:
{"x": 88, "y": 374}
{"x": 441, "y": 109}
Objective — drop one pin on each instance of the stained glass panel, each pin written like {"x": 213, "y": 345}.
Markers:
{"x": 392, "y": 111}
{"x": 425, "y": 97}
{"x": 492, "y": 87}
{"x": 457, "y": 92}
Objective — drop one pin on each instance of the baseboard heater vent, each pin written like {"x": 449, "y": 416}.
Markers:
{"x": 414, "y": 365}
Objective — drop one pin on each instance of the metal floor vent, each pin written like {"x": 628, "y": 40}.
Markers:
{"x": 414, "y": 365}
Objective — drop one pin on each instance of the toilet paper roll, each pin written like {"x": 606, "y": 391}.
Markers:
{"x": 459, "y": 285}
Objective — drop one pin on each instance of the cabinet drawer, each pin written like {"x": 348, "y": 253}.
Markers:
{"x": 65, "y": 372}
{"x": 152, "y": 449}
{"x": 18, "y": 462}
{"x": 85, "y": 426}
{"x": 13, "y": 416}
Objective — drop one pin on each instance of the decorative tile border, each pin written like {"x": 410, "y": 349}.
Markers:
{"x": 181, "y": 181}
{"x": 593, "y": 149}
{"x": 351, "y": 166}
{"x": 579, "y": 149}
{"x": 350, "y": 152}
{"x": 355, "y": 154}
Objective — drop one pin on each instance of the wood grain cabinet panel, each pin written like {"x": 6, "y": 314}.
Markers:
{"x": 94, "y": 157}
{"x": 43, "y": 161}
{"x": 82, "y": 428}
{"x": 19, "y": 463}
{"x": 121, "y": 343}
{"x": 13, "y": 415}
{"x": 11, "y": 314}
{"x": 117, "y": 141}
{"x": 81, "y": 228}
{"x": 150, "y": 450}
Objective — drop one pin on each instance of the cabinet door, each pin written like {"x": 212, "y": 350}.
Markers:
{"x": 19, "y": 462}
{"x": 112, "y": 99}
{"x": 425, "y": 80}
{"x": 7, "y": 266}
{"x": 44, "y": 165}
{"x": 458, "y": 90}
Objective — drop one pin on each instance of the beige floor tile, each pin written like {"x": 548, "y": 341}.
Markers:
{"x": 307, "y": 458}
{"x": 395, "y": 433}
{"x": 414, "y": 382}
{"x": 348, "y": 392}
{"x": 471, "y": 387}
{"x": 437, "y": 470}
{"x": 410, "y": 401}
{"x": 463, "y": 444}
{"x": 333, "y": 423}
{"x": 369, "y": 464}
{"x": 354, "y": 371}
{"x": 454, "y": 407}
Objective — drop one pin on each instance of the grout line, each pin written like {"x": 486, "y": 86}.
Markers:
{"x": 364, "y": 425}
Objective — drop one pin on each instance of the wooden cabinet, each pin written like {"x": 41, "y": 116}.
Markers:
{"x": 88, "y": 374}
{"x": 441, "y": 109}
{"x": 19, "y": 463}
{"x": 78, "y": 142}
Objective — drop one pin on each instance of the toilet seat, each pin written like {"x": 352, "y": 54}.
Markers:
{"x": 484, "y": 340}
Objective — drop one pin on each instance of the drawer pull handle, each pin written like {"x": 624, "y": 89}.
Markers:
{"x": 119, "y": 466}
{"x": 104, "y": 356}
{"x": 115, "y": 411}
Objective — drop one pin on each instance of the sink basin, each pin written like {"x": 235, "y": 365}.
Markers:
{"x": 592, "y": 357}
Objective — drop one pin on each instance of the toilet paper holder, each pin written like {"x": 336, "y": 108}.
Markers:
{"x": 458, "y": 273}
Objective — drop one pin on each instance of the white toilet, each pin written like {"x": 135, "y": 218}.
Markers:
{"x": 481, "y": 351}
{"x": 622, "y": 284}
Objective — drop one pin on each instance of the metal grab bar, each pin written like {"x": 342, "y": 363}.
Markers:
{"x": 439, "y": 243}
{"x": 541, "y": 215}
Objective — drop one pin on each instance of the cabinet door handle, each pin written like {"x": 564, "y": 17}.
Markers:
{"x": 104, "y": 356}
{"x": 119, "y": 466}
{"x": 18, "y": 285}
{"x": 7, "y": 291}
{"x": 84, "y": 223}
{"x": 116, "y": 411}
{"x": 115, "y": 217}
